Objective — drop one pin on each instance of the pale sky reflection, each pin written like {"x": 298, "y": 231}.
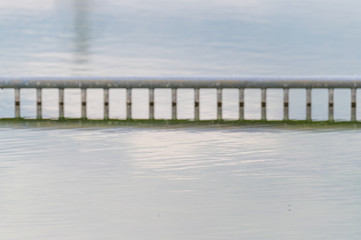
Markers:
{"x": 273, "y": 37}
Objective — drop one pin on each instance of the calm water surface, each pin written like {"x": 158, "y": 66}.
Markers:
{"x": 179, "y": 184}
{"x": 191, "y": 183}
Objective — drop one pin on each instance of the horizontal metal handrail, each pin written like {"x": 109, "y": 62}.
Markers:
{"x": 195, "y": 83}
{"x": 181, "y": 82}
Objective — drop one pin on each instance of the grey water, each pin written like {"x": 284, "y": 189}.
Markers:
{"x": 179, "y": 183}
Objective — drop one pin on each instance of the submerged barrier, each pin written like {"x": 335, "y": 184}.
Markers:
{"x": 174, "y": 83}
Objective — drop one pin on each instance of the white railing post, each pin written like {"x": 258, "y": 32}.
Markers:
{"x": 196, "y": 104}
{"x": 61, "y": 103}
{"x": 38, "y": 103}
{"x": 174, "y": 104}
{"x": 106, "y": 103}
{"x": 330, "y": 104}
{"x": 83, "y": 103}
{"x": 17, "y": 103}
{"x": 353, "y": 104}
{"x": 241, "y": 104}
{"x": 219, "y": 104}
{"x": 263, "y": 104}
{"x": 309, "y": 104}
{"x": 129, "y": 103}
{"x": 151, "y": 103}
{"x": 286, "y": 104}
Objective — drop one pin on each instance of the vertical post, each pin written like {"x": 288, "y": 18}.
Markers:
{"x": 17, "y": 102}
{"x": 241, "y": 104}
{"x": 61, "y": 103}
{"x": 353, "y": 104}
{"x": 263, "y": 104}
{"x": 286, "y": 104}
{"x": 151, "y": 103}
{"x": 196, "y": 104}
{"x": 129, "y": 103}
{"x": 174, "y": 104}
{"x": 219, "y": 104}
{"x": 330, "y": 104}
{"x": 83, "y": 103}
{"x": 308, "y": 104}
{"x": 38, "y": 103}
{"x": 106, "y": 103}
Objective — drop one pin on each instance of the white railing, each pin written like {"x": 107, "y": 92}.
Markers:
{"x": 174, "y": 83}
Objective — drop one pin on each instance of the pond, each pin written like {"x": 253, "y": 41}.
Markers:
{"x": 179, "y": 182}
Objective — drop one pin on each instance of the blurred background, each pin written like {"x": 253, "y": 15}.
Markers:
{"x": 162, "y": 37}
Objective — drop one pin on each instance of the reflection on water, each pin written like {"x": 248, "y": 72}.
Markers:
{"x": 177, "y": 184}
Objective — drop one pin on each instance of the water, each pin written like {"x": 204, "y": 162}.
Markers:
{"x": 176, "y": 184}
{"x": 179, "y": 183}
{"x": 160, "y": 37}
